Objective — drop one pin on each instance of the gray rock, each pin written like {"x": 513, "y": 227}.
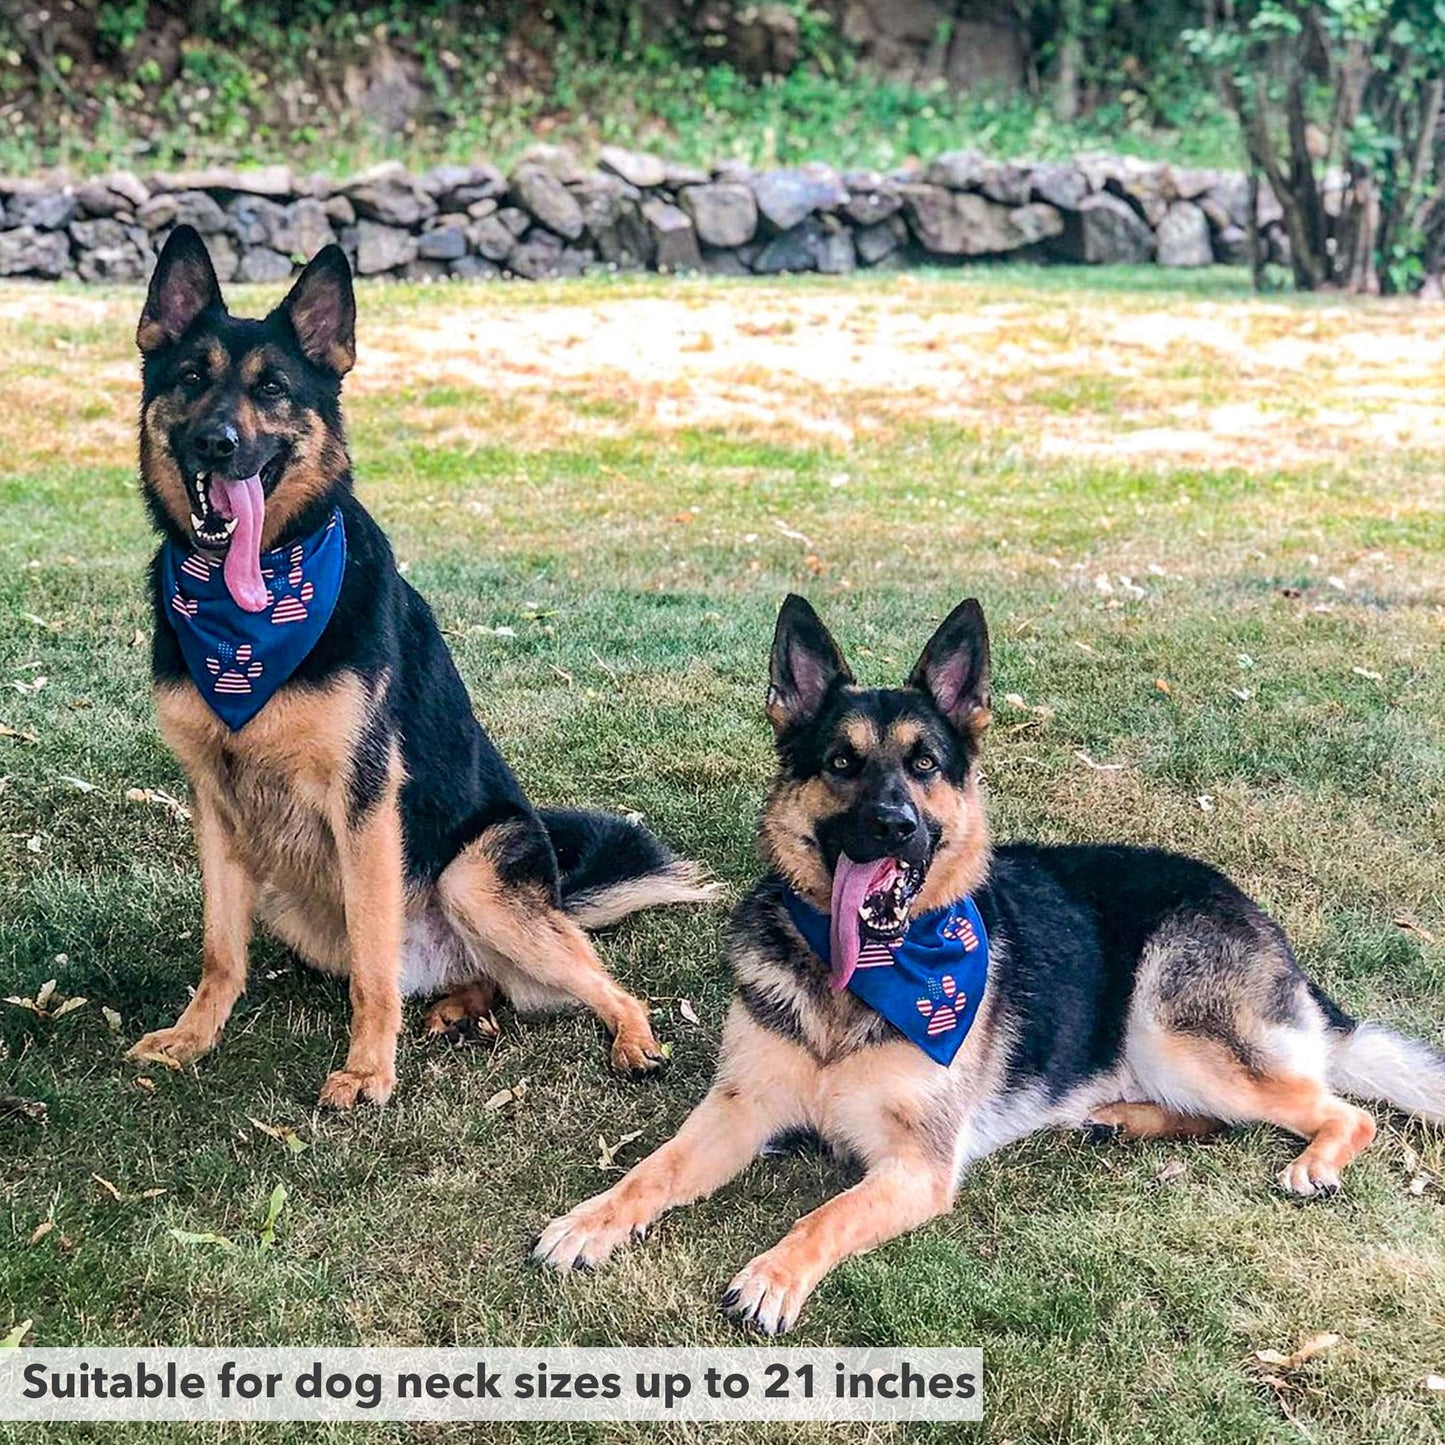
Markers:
{"x": 446, "y": 243}
{"x": 27, "y": 251}
{"x": 224, "y": 255}
{"x": 1006, "y": 182}
{"x": 725, "y": 263}
{"x": 1104, "y": 230}
{"x": 388, "y": 194}
{"x": 1144, "y": 186}
{"x": 576, "y": 261}
{"x": 475, "y": 268}
{"x": 107, "y": 250}
{"x": 724, "y": 213}
{"x": 786, "y": 197}
{"x": 612, "y": 216}
{"x": 309, "y": 227}
{"x": 46, "y": 208}
{"x": 873, "y": 243}
{"x": 491, "y": 239}
{"x": 538, "y": 256}
{"x": 111, "y": 194}
{"x": 960, "y": 223}
{"x": 956, "y": 171}
{"x": 674, "y": 239}
{"x": 382, "y": 248}
{"x": 339, "y": 211}
{"x": 514, "y": 219}
{"x": 425, "y": 270}
{"x": 732, "y": 169}
{"x": 793, "y": 251}
{"x": 538, "y": 191}
{"x": 184, "y": 208}
{"x": 1183, "y": 237}
{"x": 1059, "y": 184}
{"x": 637, "y": 168}
{"x": 260, "y": 263}
{"x": 1231, "y": 246}
{"x": 454, "y": 188}
{"x": 1190, "y": 183}
{"x": 273, "y": 181}
{"x": 836, "y": 254}
{"x": 872, "y": 198}
{"x": 679, "y": 175}
{"x": 256, "y": 221}
{"x": 561, "y": 161}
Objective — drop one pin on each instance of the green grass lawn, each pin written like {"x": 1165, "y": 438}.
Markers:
{"x": 1207, "y": 530}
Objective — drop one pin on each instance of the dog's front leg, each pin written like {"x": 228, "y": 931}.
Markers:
{"x": 895, "y": 1196}
{"x": 228, "y": 906}
{"x": 370, "y": 853}
{"x": 716, "y": 1142}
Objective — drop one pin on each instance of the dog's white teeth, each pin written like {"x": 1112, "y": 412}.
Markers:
{"x": 197, "y": 523}
{"x": 230, "y": 525}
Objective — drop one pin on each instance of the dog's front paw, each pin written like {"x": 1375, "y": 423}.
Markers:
{"x": 1308, "y": 1178}
{"x": 768, "y": 1294}
{"x": 174, "y": 1047}
{"x": 346, "y": 1088}
{"x": 588, "y": 1236}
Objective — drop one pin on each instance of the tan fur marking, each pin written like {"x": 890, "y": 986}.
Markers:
{"x": 905, "y": 735}
{"x": 1154, "y": 1121}
{"x": 317, "y": 459}
{"x": 468, "y": 1006}
{"x": 861, "y": 734}
{"x": 960, "y": 862}
{"x": 539, "y": 941}
{"x": 787, "y": 835}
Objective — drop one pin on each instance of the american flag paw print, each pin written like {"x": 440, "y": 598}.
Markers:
{"x": 960, "y": 930}
{"x": 876, "y": 953}
{"x": 290, "y": 590}
{"x": 186, "y": 606}
{"x": 233, "y": 670}
{"x": 941, "y": 1006}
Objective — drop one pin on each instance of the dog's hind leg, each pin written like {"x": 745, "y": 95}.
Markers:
{"x": 228, "y": 906}
{"x": 1154, "y": 1121}
{"x": 500, "y": 893}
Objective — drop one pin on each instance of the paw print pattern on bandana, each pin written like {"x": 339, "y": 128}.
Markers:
{"x": 233, "y": 669}
{"x": 941, "y": 1007}
{"x": 197, "y": 567}
{"x": 960, "y": 930}
{"x": 186, "y": 606}
{"x": 876, "y": 954}
{"x": 290, "y": 590}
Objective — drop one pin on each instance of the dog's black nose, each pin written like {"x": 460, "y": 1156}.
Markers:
{"x": 216, "y": 442}
{"x": 891, "y": 823}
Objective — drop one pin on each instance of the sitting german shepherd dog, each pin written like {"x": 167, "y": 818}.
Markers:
{"x": 919, "y": 1001}
{"x": 343, "y": 791}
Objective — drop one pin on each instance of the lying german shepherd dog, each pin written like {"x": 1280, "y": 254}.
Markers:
{"x": 919, "y": 1001}
{"x": 343, "y": 792}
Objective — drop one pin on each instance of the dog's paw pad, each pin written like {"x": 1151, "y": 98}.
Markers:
{"x": 346, "y": 1088}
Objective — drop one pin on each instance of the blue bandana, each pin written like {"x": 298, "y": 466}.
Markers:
{"x": 927, "y": 984}
{"x": 239, "y": 660}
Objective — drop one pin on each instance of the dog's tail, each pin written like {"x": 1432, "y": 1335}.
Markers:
{"x": 1373, "y": 1062}
{"x": 612, "y": 866}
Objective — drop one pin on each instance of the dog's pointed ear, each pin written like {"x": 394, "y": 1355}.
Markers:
{"x": 805, "y": 666}
{"x": 954, "y": 669}
{"x": 183, "y": 287}
{"x": 322, "y": 311}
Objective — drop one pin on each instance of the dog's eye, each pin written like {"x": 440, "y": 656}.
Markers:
{"x": 925, "y": 763}
{"x": 843, "y": 762}
{"x": 272, "y": 387}
{"x": 191, "y": 378}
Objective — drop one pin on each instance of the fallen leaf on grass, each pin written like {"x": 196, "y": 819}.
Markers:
{"x": 1161, "y": 684}
{"x": 607, "y": 1153}
{"x": 1410, "y": 926}
{"x": 274, "y": 1205}
{"x": 17, "y": 1333}
{"x": 503, "y": 1097}
{"x": 145, "y": 1083}
{"x": 112, "y": 1019}
{"x": 1367, "y": 674}
{"x": 41, "y": 1230}
{"x": 1088, "y": 762}
{"x": 109, "y": 1188}
{"x": 289, "y": 1137}
{"x": 79, "y": 784}
{"x": 6, "y": 731}
{"x": 685, "y": 1008}
{"x": 161, "y": 799}
{"x": 45, "y": 996}
{"x": 1171, "y": 1173}
{"x": 1434, "y": 1382}
{"x": 1314, "y": 1346}
{"x": 185, "y": 1236}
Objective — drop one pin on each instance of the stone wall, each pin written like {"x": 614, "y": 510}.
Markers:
{"x": 555, "y": 217}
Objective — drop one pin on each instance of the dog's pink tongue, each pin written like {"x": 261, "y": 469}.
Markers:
{"x": 852, "y": 883}
{"x": 246, "y": 502}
